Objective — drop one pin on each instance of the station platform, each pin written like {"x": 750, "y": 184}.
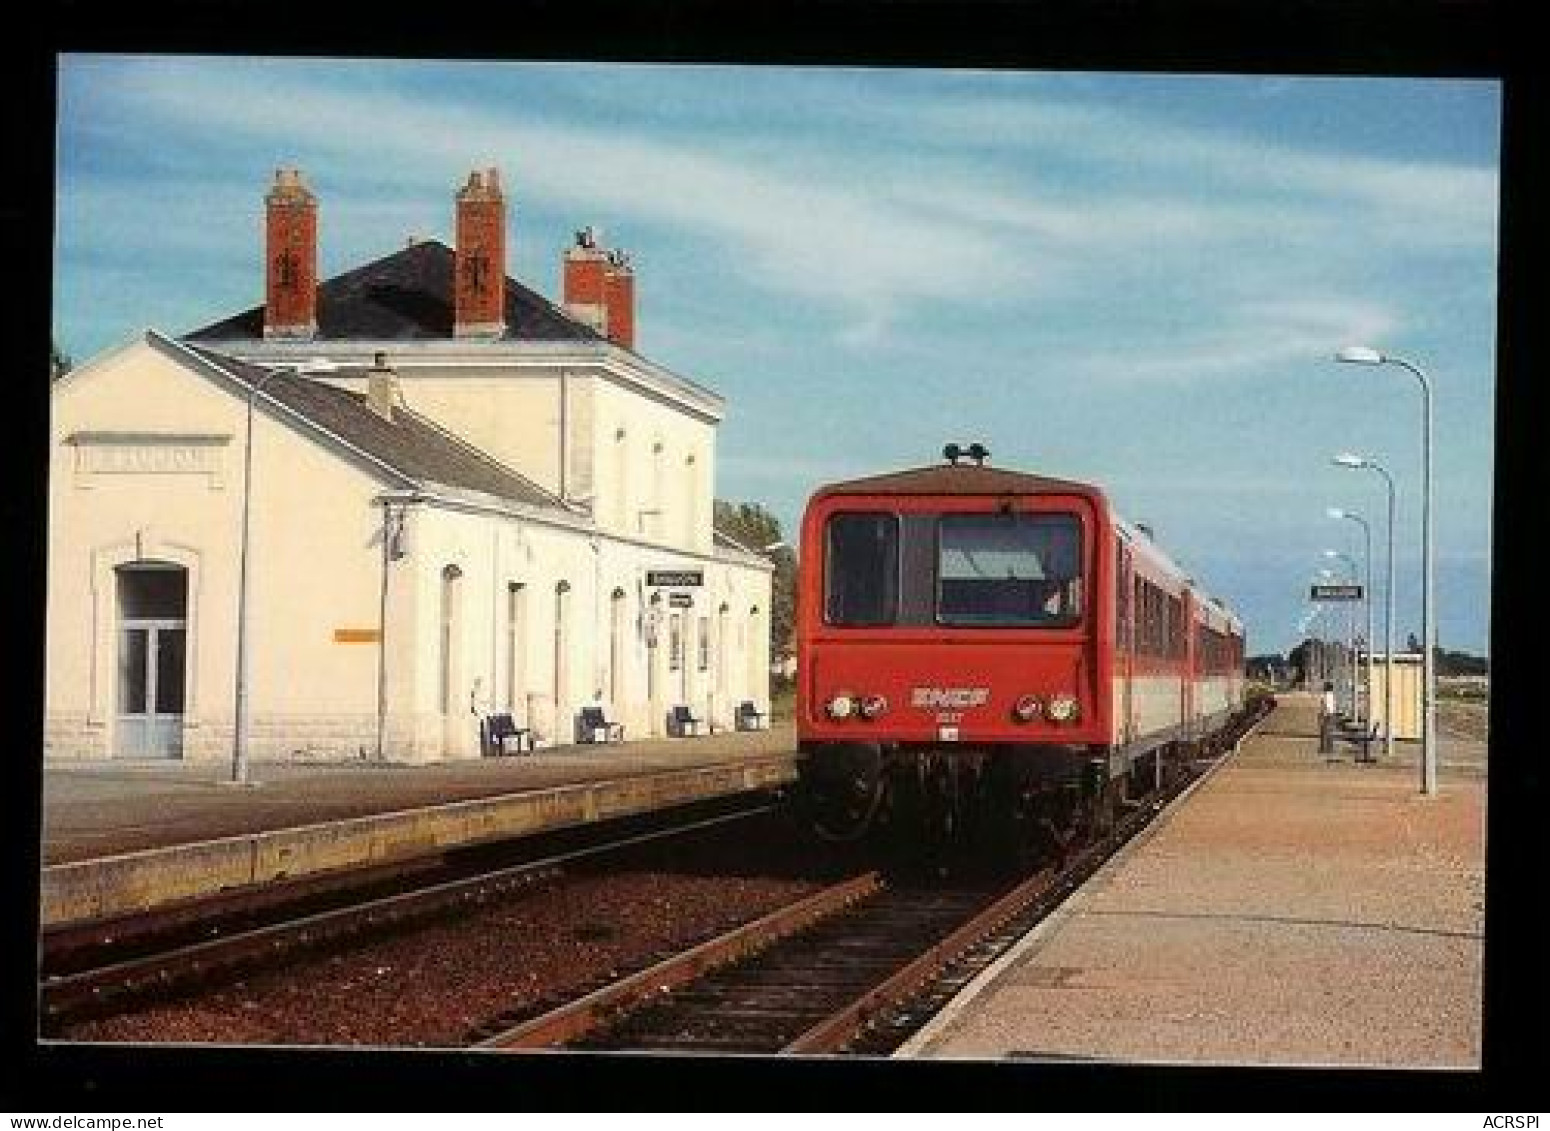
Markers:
{"x": 121, "y": 837}
{"x": 1295, "y": 909}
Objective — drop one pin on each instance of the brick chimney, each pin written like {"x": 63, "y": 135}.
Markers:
{"x": 599, "y": 288}
{"x": 290, "y": 258}
{"x": 619, "y": 299}
{"x": 479, "y": 282}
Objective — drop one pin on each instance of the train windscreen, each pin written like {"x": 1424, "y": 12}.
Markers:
{"x": 861, "y": 574}
{"x": 961, "y": 570}
{"x": 1009, "y": 570}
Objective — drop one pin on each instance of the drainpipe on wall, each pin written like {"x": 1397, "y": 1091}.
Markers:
{"x": 391, "y": 550}
{"x": 564, "y": 434}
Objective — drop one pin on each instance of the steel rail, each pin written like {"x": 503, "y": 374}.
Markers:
{"x": 604, "y": 1007}
{"x": 599, "y": 1008}
{"x": 69, "y": 995}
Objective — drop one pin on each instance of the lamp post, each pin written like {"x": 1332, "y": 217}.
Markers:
{"x": 1365, "y": 355}
{"x": 1336, "y": 512}
{"x": 239, "y": 746}
{"x": 1349, "y": 459}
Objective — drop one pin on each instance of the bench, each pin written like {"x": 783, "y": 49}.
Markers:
{"x": 500, "y": 729}
{"x": 681, "y": 723}
{"x": 593, "y": 726}
{"x": 749, "y": 717}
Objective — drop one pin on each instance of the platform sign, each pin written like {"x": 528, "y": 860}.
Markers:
{"x": 1336, "y": 592}
{"x": 674, "y": 578}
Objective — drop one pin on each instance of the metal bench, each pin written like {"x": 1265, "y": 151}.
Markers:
{"x": 502, "y": 728}
{"x": 749, "y": 717}
{"x": 593, "y": 726}
{"x": 681, "y": 723}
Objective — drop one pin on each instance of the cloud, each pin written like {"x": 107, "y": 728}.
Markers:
{"x": 892, "y": 211}
{"x": 822, "y": 239}
{"x": 1428, "y": 201}
{"x": 1246, "y": 340}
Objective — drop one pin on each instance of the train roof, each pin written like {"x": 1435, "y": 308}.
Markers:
{"x": 976, "y": 479}
{"x": 957, "y": 479}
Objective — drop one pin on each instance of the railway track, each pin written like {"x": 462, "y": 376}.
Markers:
{"x": 96, "y": 969}
{"x": 856, "y": 968}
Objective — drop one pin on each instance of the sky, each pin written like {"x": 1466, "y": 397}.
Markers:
{"x": 1137, "y": 280}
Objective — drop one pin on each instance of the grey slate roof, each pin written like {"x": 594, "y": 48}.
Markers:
{"x": 406, "y": 296}
{"x": 415, "y": 447}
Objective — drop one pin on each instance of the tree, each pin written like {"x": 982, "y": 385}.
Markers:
{"x": 59, "y": 362}
{"x": 751, "y": 525}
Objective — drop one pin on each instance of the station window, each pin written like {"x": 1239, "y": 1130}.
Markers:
{"x": 675, "y": 642}
{"x": 704, "y": 644}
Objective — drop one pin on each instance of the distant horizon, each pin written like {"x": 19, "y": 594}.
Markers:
{"x": 1138, "y": 281}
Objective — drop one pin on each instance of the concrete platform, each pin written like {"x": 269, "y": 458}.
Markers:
{"x": 121, "y": 837}
{"x": 1295, "y": 909}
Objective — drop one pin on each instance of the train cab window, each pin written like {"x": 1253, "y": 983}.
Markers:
{"x": 1009, "y": 570}
{"x": 861, "y": 569}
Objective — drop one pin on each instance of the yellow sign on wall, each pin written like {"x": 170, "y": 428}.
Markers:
{"x": 357, "y": 635}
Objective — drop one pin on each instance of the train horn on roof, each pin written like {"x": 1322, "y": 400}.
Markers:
{"x": 979, "y": 453}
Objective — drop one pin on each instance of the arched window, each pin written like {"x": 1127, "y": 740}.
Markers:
{"x": 621, "y": 483}
{"x": 516, "y": 646}
{"x": 658, "y": 499}
{"x": 691, "y": 500}
{"x": 451, "y": 577}
{"x": 561, "y": 648}
{"x": 616, "y": 630}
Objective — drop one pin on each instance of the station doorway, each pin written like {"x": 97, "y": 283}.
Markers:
{"x": 152, "y": 660}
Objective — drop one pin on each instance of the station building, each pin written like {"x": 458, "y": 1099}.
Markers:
{"x": 443, "y": 496}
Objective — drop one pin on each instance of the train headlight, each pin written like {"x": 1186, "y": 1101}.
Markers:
{"x": 841, "y": 706}
{"x": 872, "y": 706}
{"x": 1026, "y": 709}
{"x": 1062, "y": 708}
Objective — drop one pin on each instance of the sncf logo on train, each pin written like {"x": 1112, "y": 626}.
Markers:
{"x": 949, "y": 698}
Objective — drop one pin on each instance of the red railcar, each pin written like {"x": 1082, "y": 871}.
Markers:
{"x": 983, "y": 648}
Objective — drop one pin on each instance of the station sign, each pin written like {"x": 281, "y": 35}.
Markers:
{"x": 1336, "y": 592}
{"x": 680, "y": 600}
{"x": 675, "y": 578}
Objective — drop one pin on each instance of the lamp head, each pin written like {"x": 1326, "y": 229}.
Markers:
{"x": 1334, "y": 512}
{"x": 1350, "y": 459}
{"x": 1360, "y": 355}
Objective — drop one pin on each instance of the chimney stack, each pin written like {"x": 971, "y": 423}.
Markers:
{"x": 479, "y": 282}
{"x": 382, "y": 391}
{"x": 290, "y": 258}
{"x": 599, "y": 288}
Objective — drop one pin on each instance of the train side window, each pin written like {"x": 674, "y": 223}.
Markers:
{"x": 861, "y": 569}
{"x": 1121, "y": 599}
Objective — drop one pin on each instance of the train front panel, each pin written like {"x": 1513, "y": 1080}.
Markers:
{"x": 956, "y": 621}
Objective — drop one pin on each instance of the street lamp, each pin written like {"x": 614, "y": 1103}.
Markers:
{"x": 239, "y": 746}
{"x": 1365, "y": 355}
{"x": 1350, "y": 459}
{"x": 1336, "y": 512}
